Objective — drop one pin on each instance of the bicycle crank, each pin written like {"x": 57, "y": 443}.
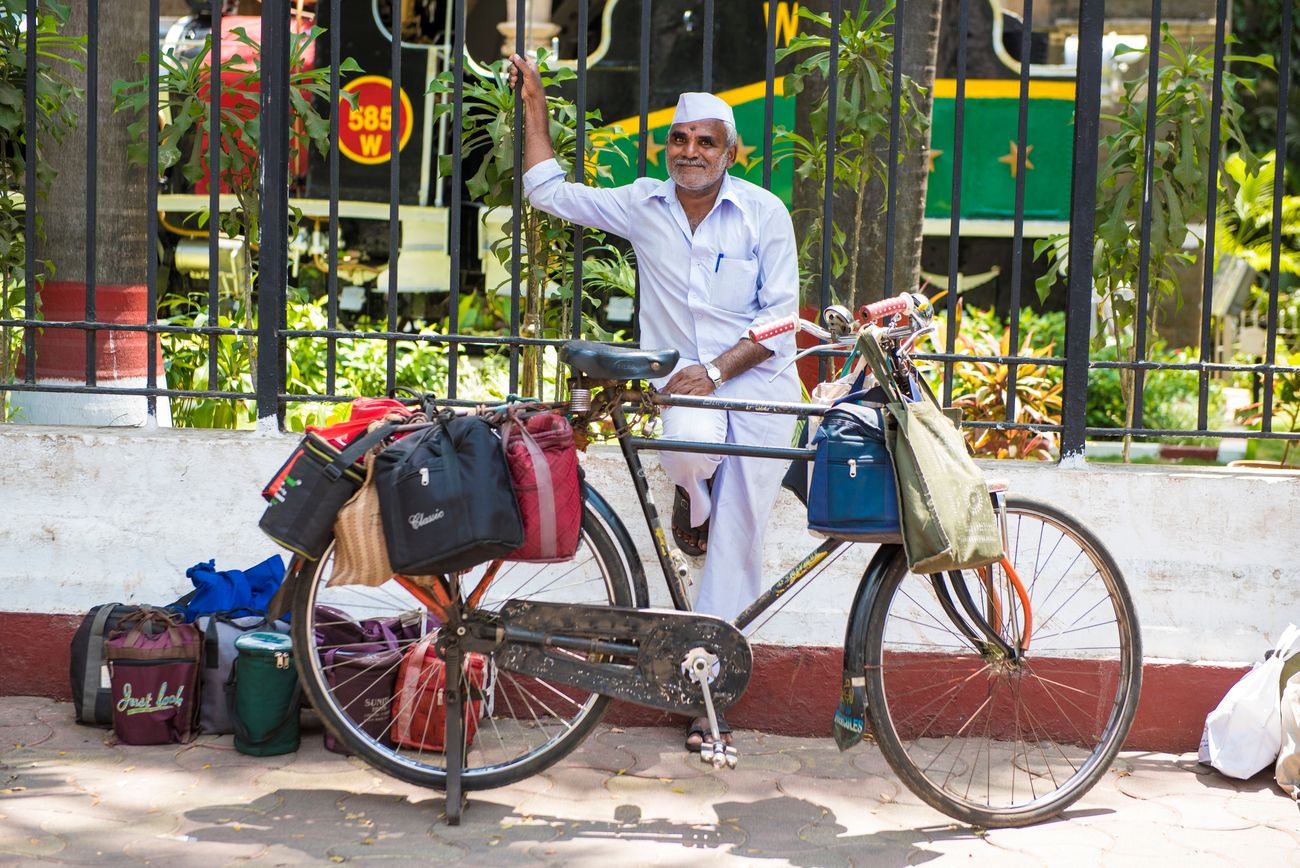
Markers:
{"x": 630, "y": 654}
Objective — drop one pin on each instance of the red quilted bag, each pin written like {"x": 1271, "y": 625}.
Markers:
{"x": 544, "y": 469}
{"x": 420, "y": 698}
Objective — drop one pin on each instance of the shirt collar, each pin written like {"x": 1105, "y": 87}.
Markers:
{"x": 667, "y": 189}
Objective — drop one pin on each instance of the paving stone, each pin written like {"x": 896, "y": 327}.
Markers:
{"x": 74, "y": 800}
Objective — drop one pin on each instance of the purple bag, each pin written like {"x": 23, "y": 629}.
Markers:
{"x": 153, "y": 664}
{"x": 361, "y": 659}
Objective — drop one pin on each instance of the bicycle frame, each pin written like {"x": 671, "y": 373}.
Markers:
{"x": 676, "y": 569}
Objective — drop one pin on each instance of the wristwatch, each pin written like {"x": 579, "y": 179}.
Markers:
{"x": 714, "y": 374}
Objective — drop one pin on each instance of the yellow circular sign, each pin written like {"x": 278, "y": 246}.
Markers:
{"x": 365, "y": 132}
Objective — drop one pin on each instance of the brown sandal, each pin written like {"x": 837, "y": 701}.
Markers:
{"x": 693, "y": 541}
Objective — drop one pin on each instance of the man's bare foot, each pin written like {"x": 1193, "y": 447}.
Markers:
{"x": 699, "y": 734}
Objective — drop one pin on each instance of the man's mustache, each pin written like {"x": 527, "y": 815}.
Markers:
{"x": 688, "y": 162}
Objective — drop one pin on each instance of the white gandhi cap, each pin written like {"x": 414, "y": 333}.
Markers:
{"x": 702, "y": 107}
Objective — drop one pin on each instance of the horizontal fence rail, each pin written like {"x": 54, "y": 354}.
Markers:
{"x": 332, "y": 204}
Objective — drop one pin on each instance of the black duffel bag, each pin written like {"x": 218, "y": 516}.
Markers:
{"x": 446, "y": 499}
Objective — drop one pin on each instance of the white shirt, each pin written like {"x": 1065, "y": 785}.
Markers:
{"x": 701, "y": 291}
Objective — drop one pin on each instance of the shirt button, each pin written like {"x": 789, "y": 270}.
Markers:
{"x": 700, "y": 317}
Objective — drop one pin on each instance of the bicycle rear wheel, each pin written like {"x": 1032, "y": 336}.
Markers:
{"x": 997, "y": 739}
{"x": 524, "y": 724}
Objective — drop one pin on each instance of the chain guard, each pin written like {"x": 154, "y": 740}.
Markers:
{"x": 648, "y": 671}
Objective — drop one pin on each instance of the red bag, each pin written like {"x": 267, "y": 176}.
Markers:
{"x": 364, "y": 411}
{"x": 419, "y": 699}
{"x": 544, "y": 469}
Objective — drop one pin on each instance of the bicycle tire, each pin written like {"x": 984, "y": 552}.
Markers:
{"x": 598, "y": 559}
{"x": 1053, "y": 721}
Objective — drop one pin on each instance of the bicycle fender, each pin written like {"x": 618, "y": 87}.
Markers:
{"x": 616, "y": 528}
{"x": 850, "y": 715}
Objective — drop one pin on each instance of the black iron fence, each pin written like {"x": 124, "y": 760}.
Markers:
{"x": 631, "y": 51}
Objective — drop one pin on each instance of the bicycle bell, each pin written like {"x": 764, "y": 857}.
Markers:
{"x": 838, "y": 321}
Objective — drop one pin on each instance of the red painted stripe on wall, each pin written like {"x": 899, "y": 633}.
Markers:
{"x": 793, "y": 691}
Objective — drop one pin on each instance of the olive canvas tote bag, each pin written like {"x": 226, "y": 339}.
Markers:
{"x": 944, "y": 505}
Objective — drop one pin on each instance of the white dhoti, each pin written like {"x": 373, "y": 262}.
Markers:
{"x": 744, "y": 489}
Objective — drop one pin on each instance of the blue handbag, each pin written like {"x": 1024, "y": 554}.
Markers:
{"x": 853, "y": 495}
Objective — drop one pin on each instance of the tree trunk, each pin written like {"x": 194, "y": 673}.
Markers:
{"x": 122, "y": 244}
{"x": 918, "y": 20}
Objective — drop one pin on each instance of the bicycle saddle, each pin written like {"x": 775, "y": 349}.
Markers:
{"x": 605, "y": 362}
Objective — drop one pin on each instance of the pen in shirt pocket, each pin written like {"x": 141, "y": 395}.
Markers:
{"x": 717, "y": 264}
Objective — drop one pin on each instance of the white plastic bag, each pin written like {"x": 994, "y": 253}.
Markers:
{"x": 1288, "y": 759}
{"x": 1243, "y": 735}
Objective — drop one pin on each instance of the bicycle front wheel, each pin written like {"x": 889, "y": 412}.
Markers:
{"x": 519, "y": 724}
{"x": 997, "y": 739}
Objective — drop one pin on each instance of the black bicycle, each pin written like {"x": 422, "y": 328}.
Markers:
{"x": 999, "y": 695}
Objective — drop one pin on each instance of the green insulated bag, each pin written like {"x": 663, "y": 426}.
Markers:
{"x": 262, "y": 695}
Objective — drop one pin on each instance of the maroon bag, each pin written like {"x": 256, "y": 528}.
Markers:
{"x": 543, "y": 465}
{"x": 153, "y": 665}
{"x": 360, "y": 660}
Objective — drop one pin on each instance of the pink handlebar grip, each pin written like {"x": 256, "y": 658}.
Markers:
{"x": 769, "y": 330}
{"x": 881, "y": 309}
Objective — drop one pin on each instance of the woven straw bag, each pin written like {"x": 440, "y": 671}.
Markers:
{"x": 360, "y": 551}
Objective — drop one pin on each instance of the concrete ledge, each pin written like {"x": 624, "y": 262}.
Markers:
{"x": 98, "y": 515}
{"x": 794, "y": 689}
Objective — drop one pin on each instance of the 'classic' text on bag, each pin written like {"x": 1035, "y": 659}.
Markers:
{"x": 446, "y": 499}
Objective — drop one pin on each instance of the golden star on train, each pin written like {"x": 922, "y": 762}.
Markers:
{"x": 743, "y": 152}
{"x": 652, "y": 150}
{"x": 1010, "y": 158}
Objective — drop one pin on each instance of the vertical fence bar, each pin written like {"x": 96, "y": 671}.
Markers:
{"x": 92, "y": 181}
{"x": 708, "y": 47}
{"x": 643, "y": 109}
{"x": 1212, "y": 209}
{"x": 1279, "y": 173}
{"x": 29, "y": 195}
{"x": 273, "y": 242}
{"x": 954, "y": 219}
{"x": 151, "y": 204}
{"x": 580, "y": 171}
{"x": 769, "y": 92}
{"x": 828, "y": 191}
{"x": 454, "y": 229}
{"x": 394, "y": 188}
{"x": 1148, "y": 194}
{"x": 332, "y": 289}
{"x": 517, "y": 203}
{"x": 1018, "y": 215}
{"x": 1083, "y": 225}
{"x": 891, "y": 171}
{"x": 214, "y": 188}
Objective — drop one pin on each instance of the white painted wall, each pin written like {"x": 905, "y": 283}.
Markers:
{"x": 94, "y": 515}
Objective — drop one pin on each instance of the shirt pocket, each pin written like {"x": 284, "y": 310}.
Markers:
{"x": 735, "y": 285}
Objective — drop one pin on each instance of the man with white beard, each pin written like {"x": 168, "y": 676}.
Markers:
{"x": 717, "y": 257}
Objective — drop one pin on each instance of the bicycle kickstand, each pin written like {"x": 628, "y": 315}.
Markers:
{"x": 699, "y": 665}
{"x": 455, "y": 740}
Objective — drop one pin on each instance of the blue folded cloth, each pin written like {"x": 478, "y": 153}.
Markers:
{"x": 223, "y": 590}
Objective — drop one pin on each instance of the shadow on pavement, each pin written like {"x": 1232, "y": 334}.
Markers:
{"x": 329, "y": 824}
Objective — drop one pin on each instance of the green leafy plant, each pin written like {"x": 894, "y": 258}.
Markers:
{"x": 184, "y": 84}
{"x": 981, "y": 389}
{"x": 56, "y": 56}
{"x": 1180, "y": 184}
{"x": 488, "y": 110}
{"x": 1245, "y": 226}
{"x": 863, "y": 103}
{"x": 1286, "y": 406}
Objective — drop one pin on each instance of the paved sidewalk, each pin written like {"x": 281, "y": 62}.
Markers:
{"x": 627, "y": 797}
